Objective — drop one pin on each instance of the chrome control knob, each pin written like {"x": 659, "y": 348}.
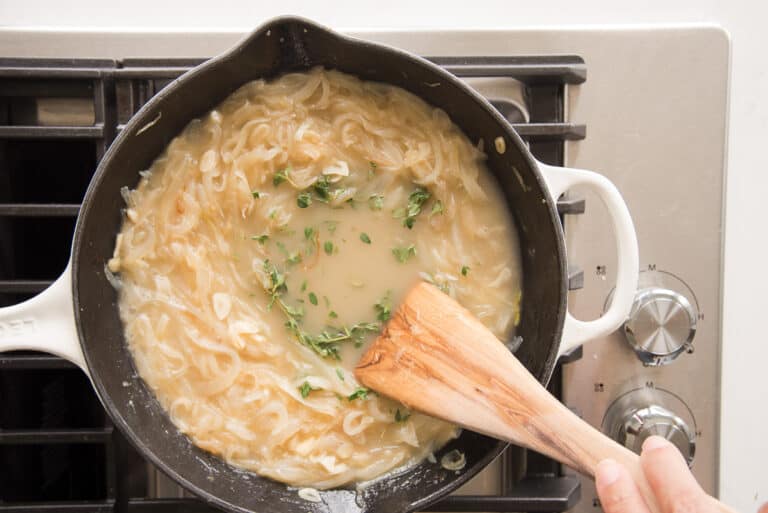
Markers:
{"x": 661, "y": 325}
{"x": 639, "y": 424}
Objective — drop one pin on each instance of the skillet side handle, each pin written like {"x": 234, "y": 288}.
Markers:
{"x": 575, "y": 331}
{"x": 45, "y": 323}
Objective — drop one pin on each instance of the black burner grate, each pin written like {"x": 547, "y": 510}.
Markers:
{"x": 58, "y": 449}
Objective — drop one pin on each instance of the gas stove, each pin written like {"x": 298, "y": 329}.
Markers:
{"x": 653, "y": 121}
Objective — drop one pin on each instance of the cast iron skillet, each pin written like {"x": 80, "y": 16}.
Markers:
{"x": 77, "y": 317}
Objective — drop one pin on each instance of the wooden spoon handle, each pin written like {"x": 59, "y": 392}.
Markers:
{"x": 562, "y": 435}
{"x": 435, "y": 357}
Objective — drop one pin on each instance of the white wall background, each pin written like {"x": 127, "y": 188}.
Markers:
{"x": 745, "y": 408}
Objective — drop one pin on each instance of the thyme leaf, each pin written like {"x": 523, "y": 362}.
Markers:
{"x": 403, "y": 254}
{"x": 359, "y": 393}
{"x": 384, "y": 307}
{"x": 415, "y": 201}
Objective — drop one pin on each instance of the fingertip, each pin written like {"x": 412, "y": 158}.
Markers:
{"x": 669, "y": 477}
{"x": 655, "y": 442}
{"x": 607, "y": 473}
{"x": 617, "y": 491}
{"x": 658, "y": 449}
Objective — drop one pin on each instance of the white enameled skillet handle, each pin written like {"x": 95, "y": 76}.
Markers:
{"x": 576, "y": 332}
{"x": 45, "y": 323}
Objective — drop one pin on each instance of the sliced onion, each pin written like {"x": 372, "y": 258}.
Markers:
{"x": 453, "y": 460}
{"x": 310, "y": 494}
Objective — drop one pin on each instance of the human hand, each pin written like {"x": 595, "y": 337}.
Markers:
{"x": 667, "y": 473}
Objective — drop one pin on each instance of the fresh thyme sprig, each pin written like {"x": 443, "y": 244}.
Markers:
{"x": 327, "y": 342}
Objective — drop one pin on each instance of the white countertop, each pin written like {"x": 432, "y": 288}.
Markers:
{"x": 744, "y": 444}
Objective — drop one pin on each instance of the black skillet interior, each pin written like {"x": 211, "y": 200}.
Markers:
{"x": 288, "y": 44}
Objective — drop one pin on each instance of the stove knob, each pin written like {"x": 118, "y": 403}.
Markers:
{"x": 641, "y": 423}
{"x": 661, "y": 325}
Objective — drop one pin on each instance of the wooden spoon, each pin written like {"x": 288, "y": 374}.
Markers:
{"x": 435, "y": 357}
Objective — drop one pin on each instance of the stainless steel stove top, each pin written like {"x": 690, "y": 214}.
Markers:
{"x": 657, "y": 129}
